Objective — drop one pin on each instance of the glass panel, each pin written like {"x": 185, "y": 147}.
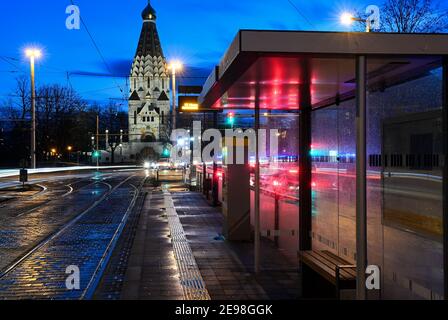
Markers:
{"x": 279, "y": 176}
{"x": 347, "y": 179}
{"x": 333, "y": 159}
{"x": 325, "y": 179}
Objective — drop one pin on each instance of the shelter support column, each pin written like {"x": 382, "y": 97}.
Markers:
{"x": 361, "y": 178}
{"x": 305, "y": 162}
{"x": 257, "y": 238}
{"x": 215, "y": 179}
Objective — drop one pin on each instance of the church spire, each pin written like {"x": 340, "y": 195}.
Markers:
{"x": 149, "y": 42}
{"x": 149, "y": 14}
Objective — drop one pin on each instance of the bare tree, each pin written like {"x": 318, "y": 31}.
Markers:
{"x": 414, "y": 16}
{"x": 63, "y": 119}
{"x": 410, "y": 16}
{"x": 22, "y": 92}
{"x": 114, "y": 143}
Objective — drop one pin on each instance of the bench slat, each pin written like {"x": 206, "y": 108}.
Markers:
{"x": 325, "y": 271}
{"x": 322, "y": 259}
{"x": 350, "y": 273}
{"x": 326, "y": 263}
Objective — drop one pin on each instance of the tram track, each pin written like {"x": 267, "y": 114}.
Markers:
{"x": 65, "y": 226}
{"x": 45, "y": 203}
{"x": 96, "y": 277}
{"x": 102, "y": 204}
{"x": 51, "y": 193}
{"x": 20, "y": 233}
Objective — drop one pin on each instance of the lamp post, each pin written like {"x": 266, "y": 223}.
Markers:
{"x": 33, "y": 54}
{"x": 69, "y": 149}
{"x": 174, "y": 67}
{"x": 121, "y": 145}
{"x": 107, "y": 139}
{"x": 97, "y": 140}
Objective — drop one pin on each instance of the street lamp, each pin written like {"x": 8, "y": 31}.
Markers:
{"x": 69, "y": 149}
{"x": 348, "y": 19}
{"x": 33, "y": 54}
{"x": 174, "y": 66}
{"x": 107, "y": 139}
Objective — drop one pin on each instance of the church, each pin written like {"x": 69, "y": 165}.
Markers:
{"x": 149, "y": 102}
{"x": 149, "y": 98}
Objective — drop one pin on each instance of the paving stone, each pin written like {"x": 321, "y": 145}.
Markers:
{"x": 227, "y": 268}
{"x": 82, "y": 244}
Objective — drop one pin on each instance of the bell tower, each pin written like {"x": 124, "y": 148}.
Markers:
{"x": 149, "y": 102}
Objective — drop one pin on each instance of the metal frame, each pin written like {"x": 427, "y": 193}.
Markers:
{"x": 248, "y": 45}
{"x": 361, "y": 176}
{"x": 305, "y": 162}
{"x": 257, "y": 223}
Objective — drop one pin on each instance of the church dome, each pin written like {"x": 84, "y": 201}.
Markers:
{"x": 149, "y": 13}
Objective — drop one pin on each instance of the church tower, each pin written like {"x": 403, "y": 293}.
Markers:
{"x": 149, "y": 102}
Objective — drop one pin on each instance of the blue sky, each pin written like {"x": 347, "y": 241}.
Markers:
{"x": 195, "y": 31}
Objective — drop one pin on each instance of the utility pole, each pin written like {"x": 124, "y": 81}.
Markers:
{"x": 98, "y": 139}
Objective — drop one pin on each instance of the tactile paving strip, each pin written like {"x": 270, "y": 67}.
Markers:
{"x": 191, "y": 278}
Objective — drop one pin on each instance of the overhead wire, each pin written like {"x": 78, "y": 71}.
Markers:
{"x": 98, "y": 49}
{"x": 302, "y": 14}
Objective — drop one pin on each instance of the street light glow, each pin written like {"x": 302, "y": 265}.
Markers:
{"x": 33, "y": 53}
{"x": 347, "y": 18}
{"x": 175, "y": 65}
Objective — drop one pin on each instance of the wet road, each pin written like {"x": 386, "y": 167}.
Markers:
{"x": 74, "y": 220}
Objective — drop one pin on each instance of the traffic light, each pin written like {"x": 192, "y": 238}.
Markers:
{"x": 96, "y": 154}
{"x": 166, "y": 152}
{"x": 231, "y": 118}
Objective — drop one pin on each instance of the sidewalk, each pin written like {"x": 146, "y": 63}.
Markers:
{"x": 227, "y": 268}
{"x": 178, "y": 254}
{"x": 152, "y": 272}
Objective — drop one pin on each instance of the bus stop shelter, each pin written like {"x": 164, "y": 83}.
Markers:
{"x": 372, "y": 143}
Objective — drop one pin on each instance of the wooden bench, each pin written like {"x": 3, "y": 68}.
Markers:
{"x": 335, "y": 270}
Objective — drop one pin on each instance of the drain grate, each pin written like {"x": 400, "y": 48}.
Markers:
{"x": 191, "y": 278}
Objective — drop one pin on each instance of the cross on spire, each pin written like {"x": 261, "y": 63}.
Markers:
{"x": 149, "y": 14}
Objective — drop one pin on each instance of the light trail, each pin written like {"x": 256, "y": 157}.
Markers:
{"x": 16, "y": 172}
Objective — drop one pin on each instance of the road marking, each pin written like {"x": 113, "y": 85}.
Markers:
{"x": 69, "y": 192}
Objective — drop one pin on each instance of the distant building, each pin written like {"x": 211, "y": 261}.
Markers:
{"x": 149, "y": 99}
{"x": 149, "y": 102}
